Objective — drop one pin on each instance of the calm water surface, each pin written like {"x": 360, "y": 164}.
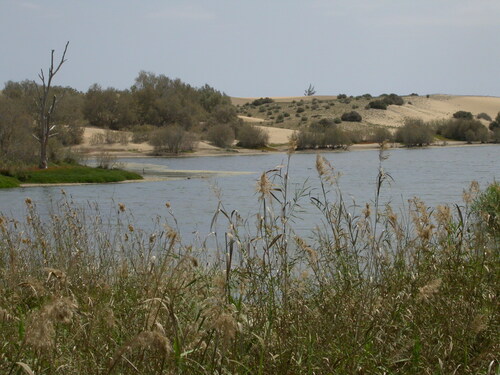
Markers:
{"x": 437, "y": 176}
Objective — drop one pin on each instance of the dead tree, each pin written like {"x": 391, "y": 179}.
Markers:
{"x": 46, "y": 107}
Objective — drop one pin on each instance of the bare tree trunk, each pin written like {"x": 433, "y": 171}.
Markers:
{"x": 46, "y": 108}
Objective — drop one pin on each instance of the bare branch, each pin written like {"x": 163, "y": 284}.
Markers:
{"x": 63, "y": 59}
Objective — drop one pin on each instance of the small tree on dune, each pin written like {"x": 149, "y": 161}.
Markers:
{"x": 310, "y": 91}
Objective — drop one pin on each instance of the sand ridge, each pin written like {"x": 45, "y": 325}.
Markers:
{"x": 435, "y": 107}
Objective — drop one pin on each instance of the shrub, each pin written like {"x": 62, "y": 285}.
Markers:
{"x": 377, "y": 104}
{"x": 172, "y": 139}
{"x": 261, "y": 101}
{"x": 341, "y": 96}
{"x": 351, "y": 117}
{"x": 415, "y": 133}
{"x": 250, "y": 136}
{"x": 392, "y": 99}
{"x": 495, "y": 136}
{"x": 380, "y": 135}
{"x": 463, "y": 130}
{"x": 317, "y": 137}
{"x": 483, "y": 116}
{"x": 70, "y": 135}
{"x": 300, "y": 109}
{"x": 322, "y": 125}
{"x": 97, "y": 139}
{"x": 141, "y": 133}
{"x": 337, "y": 120}
{"x": 463, "y": 115}
{"x": 487, "y": 208}
{"x": 495, "y": 124}
{"x": 221, "y": 135}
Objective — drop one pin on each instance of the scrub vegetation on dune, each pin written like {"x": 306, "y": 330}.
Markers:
{"x": 368, "y": 291}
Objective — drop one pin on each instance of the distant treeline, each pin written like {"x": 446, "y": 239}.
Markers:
{"x": 152, "y": 99}
{"x": 152, "y": 103}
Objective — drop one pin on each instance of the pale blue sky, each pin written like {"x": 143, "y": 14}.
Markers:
{"x": 261, "y": 48}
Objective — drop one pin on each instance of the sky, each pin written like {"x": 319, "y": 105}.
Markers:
{"x": 260, "y": 48}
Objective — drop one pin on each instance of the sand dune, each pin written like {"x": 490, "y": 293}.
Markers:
{"x": 277, "y": 136}
{"x": 433, "y": 108}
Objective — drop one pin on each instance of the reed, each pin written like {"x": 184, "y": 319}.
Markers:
{"x": 370, "y": 291}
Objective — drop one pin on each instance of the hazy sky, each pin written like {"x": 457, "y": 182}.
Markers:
{"x": 260, "y": 48}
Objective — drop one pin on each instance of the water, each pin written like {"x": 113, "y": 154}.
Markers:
{"x": 437, "y": 176}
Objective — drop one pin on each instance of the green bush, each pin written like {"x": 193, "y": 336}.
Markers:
{"x": 483, "y": 116}
{"x": 463, "y": 115}
{"x": 377, "y": 104}
{"x": 495, "y": 136}
{"x": 463, "y": 130}
{"x": 250, "y": 136}
{"x": 172, "y": 139}
{"x": 380, "y": 135}
{"x": 221, "y": 135}
{"x": 261, "y": 101}
{"x": 392, "y": 99}
{"x": 351, "y": 117}
{"x": 314, "y": 138}
{"x": 414, "y": 133}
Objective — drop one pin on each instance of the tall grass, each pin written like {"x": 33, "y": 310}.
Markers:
{"x": 368, "y": 292}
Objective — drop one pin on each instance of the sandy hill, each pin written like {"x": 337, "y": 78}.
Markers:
{"x": 434, "y": 107}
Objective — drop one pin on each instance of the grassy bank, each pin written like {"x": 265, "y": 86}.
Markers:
{"x": 8, "y": 182}
{"x": 71, "y": 174}
{"x": 368, "y": 292}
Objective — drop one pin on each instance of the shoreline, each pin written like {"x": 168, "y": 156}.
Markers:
{"x": 284, "y": 148}
{"x": 172, "y": 175}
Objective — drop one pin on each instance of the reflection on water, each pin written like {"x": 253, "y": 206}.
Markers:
{"x": 437, "y": 176}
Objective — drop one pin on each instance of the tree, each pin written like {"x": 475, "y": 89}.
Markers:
{"x": 46, "y": 107}
{"x": 310, "y": 91}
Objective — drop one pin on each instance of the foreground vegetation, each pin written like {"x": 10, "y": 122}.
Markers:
{"x": 368, "y": 292}
{"x": 65, "y": 174}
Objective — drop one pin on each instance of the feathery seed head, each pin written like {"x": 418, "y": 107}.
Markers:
{"x": 264, "y": 185}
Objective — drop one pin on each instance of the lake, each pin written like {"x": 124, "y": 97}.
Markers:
{"x": 436, "y": 175}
